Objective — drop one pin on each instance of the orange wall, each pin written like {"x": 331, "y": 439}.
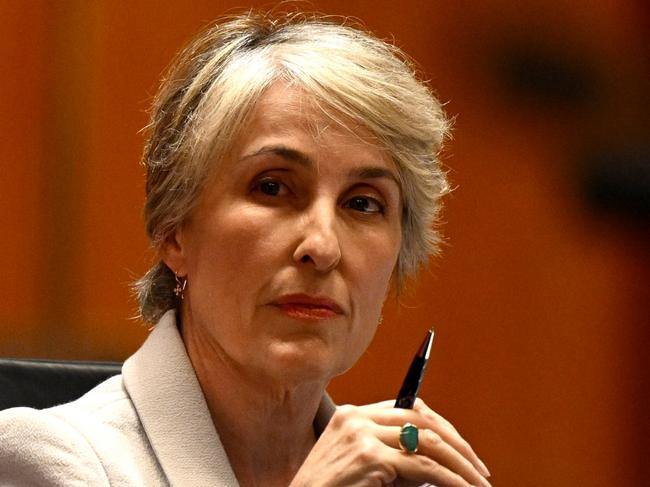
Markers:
{"x": 539, "y": 303}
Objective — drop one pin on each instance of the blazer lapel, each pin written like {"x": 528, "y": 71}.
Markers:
{"x": 167, "y": 396}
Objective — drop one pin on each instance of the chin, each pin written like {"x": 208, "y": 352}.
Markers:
{"x": 299, "y": 363}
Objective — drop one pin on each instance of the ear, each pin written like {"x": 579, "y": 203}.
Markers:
{"x": 172, "y": 253}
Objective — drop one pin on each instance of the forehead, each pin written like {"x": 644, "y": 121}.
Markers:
{"x": 285, "y": 110}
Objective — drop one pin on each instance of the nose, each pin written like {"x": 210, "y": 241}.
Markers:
{"x": 319, "y": 243}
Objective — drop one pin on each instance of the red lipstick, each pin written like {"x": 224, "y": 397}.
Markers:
{"x": 305, "y": 307}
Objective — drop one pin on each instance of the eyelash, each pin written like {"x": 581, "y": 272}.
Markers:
{"x": 259, "y": 185}
{"x": 380, "y": 206}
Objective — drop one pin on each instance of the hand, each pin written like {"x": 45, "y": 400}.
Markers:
{"x": 360, "y": 448}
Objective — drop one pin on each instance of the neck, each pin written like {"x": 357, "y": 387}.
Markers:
{"x": 255, "y": 415}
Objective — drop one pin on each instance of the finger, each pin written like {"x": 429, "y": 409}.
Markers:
{"x": 423, "y": 417}
{"x": 431, "y": 445}
{"x": 447, "y": 431}
{"x": 423, "y": 469}
{"x": 389, "y": 404}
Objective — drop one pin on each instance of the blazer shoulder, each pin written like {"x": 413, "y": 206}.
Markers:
{"x": 38, "y": 448}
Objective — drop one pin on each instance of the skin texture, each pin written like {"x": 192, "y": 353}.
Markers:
{"x": 288, "y": 257}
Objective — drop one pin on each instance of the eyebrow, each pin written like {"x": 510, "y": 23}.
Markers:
{"x": 284, "y": 152}
{"x": 293, "y": 155}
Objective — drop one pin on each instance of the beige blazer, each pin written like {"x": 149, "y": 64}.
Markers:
{"x": 149, "y": 426}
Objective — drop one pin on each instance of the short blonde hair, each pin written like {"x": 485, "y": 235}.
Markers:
{"x": 209, "y": 93}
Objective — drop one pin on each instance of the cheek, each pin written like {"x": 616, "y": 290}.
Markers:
{"x": 234, "y": 254}
{"x": 242, "y": 244}
{"x": 381, "y": 282}
{"x": 374, "y": 265}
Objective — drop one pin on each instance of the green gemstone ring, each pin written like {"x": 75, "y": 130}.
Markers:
{"x": 408, "y": 438}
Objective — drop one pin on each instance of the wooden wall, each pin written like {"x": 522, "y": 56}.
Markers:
{"x": 540, "y": 302}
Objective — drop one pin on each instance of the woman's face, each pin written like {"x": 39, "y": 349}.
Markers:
{"x": 291, "y": 249}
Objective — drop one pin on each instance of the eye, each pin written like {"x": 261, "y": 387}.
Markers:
{"x": 365, "y": 204}
{"x": 270, "y": 187}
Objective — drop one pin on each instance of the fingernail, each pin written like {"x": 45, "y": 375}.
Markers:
{"x": 486, "y": 483}
{"x": 483, "y": 469}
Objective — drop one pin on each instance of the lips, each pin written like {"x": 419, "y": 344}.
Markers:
{"x": 303, "y": 306}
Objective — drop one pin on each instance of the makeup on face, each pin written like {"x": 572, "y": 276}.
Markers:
{"x": 304, "y": 306}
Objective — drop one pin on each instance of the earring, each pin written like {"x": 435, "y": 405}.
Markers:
{"x": 381, "y": 319}
{"x": 179, "y": 289}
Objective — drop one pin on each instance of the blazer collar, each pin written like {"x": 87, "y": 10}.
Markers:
{"x": 167, "y": 396}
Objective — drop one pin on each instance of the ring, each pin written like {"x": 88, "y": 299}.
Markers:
{"x": 408, "y": 438}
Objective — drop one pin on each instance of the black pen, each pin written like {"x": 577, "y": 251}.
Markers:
{"x": 411, "y": 385}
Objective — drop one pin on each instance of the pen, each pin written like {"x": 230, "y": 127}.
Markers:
{"x": 409, "y": 391}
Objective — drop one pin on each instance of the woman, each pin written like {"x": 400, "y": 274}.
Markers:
{"x": 292, "y": 178}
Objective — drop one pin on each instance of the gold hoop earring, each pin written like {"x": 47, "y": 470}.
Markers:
{"x": 381, "y": 319}
{"x": 181, "y": 284}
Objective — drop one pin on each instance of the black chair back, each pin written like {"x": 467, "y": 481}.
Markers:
{"x": 45, "y": 383}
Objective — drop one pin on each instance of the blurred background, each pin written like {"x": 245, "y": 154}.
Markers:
{"x": 540, "y": 299}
